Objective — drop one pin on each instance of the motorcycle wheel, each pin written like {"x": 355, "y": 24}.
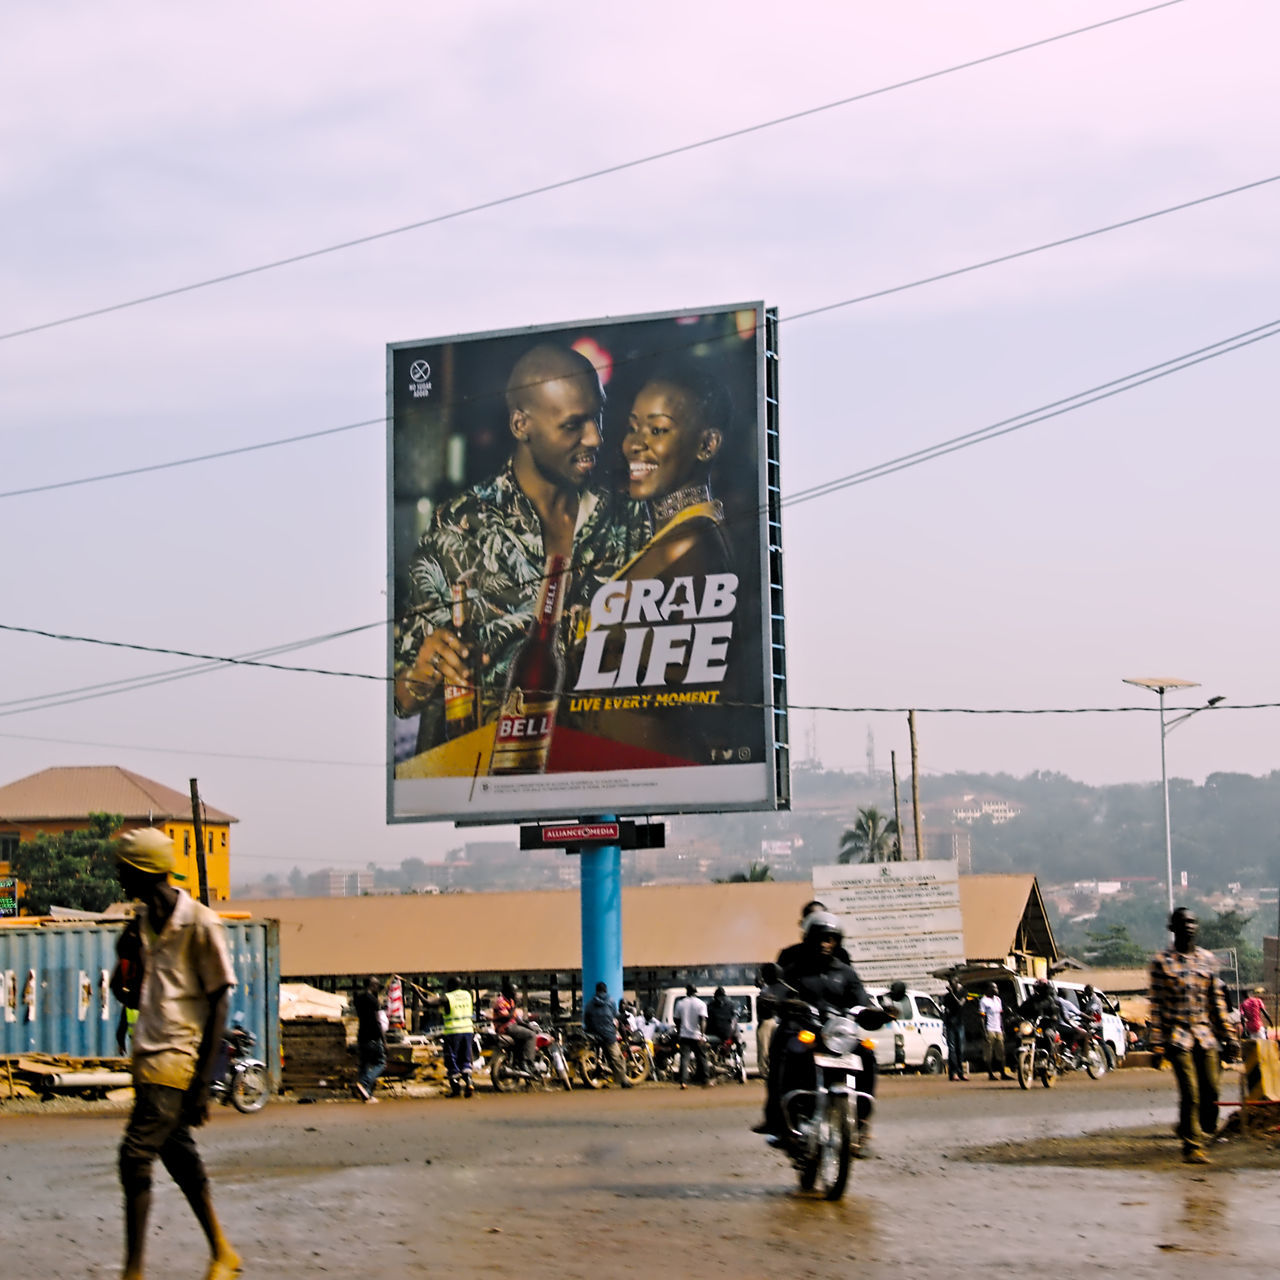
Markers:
{"x": 1048, "y": 1073}
{"x": 497, "y": 1070}
{"x": 595, "y": 1071}
{"x": 740, "y": 1069}
{"x": 638, "y": 1063}
{"x": 250, "y": 1090}
{"x": 1024, "y": 1070}
{"x": 836, "y": 1148}
{"x": 1095, "y": 1061}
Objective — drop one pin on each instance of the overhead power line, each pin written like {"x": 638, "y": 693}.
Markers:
{"x": 800, "y": 315}
{"x": 591, "y": 175}
{"x": 1055, "y": 409}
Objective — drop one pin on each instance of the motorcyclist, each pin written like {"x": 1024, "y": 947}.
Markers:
{"x": 722, "y": 1018}
{"x": 818, "y": 977}
{"x": 508, "y": 1021}
{"x": 1090, "y": 1003}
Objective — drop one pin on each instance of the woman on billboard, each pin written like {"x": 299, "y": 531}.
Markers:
{"x": 675, "y": 430}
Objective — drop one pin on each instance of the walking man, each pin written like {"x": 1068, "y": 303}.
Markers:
{"x": 181, "y": 979}
{"x": 1254, "y": 1018}
{"x": 992, "y": 1012}
{"x": 371, "y": 1040}
{"x": 1191, "y": 1029}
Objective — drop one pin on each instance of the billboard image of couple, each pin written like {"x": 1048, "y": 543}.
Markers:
{"x": 586, "y": 610}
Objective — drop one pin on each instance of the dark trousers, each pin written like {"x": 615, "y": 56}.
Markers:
{"x": 373, "y": 1058}
{"x": 1197, "y": 1072}
{"x": 156, "y": 1128}
{"x": 693, "y": 1049}
{"x": 457, "y": 1056}
{"x": 955, "y": 1049}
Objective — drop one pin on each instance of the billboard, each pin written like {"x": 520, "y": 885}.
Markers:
{"x": 901, "y": 919}
{"x": 585, "y": 570}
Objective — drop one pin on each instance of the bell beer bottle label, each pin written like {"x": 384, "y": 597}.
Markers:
{"x": 522, "y": 740}
{"x": 461, "y": 702}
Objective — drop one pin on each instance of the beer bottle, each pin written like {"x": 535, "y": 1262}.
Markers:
{"x": 522, "y": 741}
{"x": 462, "y": 702}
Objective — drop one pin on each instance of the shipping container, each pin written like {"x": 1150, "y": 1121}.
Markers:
{"x": 54, "y": 995}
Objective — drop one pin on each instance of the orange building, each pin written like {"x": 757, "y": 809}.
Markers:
{"x": 61, "y": 799}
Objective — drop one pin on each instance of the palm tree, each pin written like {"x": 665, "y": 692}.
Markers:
{"x": 756, "y": 873}
{"x": 872, "y": 838}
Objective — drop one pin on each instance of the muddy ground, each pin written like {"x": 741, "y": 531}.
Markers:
{"x": 974, "y": 1178}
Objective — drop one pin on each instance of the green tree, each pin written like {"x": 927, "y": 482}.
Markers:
{"x": 872, "y": 838}
{"x": 756, "y": 873}
{"x": 1113, "y": 947}
{"x": 73, "y": 869}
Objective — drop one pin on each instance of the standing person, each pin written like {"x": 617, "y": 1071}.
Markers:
{"x": 992, "y": 1012}
{"x": 600, "y": 1018}
{"x": 371, "y": 1040}
{"x": 1190, "y": 1028}
{"x": 183, "y": 979}
{"x": 459, "y": 1035}
{"x": 771, "y": 992}
{"x": 690, "y": 1013}
{"x": 953, "y": 1002}
{"x": 1254, "y": 1018}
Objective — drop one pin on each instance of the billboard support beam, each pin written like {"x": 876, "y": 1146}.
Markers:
{"x": 601, "y": 907}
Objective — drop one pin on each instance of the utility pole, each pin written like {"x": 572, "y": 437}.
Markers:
{"x": 915, "y": 783}
{"x": 897, "y": 811}
{"x": 202, "y": 874}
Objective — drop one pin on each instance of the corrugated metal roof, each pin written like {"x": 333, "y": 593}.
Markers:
{"x": 668, "y": 926}
{"x": 64, "y": 794}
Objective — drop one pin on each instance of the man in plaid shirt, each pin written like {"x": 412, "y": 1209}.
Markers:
{"x": 1190, "y": 1028}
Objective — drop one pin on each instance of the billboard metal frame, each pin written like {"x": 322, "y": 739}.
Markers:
{"x": 771, "y": 622}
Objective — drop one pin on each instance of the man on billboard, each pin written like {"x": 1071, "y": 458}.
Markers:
{"x": 480, "y": 567}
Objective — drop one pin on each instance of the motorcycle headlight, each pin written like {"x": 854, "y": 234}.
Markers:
{"x": 840, "y": 1035}
{"x": 1024, "y": 1028}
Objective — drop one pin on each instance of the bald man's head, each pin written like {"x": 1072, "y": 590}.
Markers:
{"x": 548, "y": 363}
{"x": 555, "y": 409}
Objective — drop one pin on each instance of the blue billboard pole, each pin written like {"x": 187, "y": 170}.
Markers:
{"x": 601, "y": 907}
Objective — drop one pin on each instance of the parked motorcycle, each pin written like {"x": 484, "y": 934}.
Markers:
{"x": 1037, "y": 1052}
{"x": 547, "y": 1069}
{"x": 725, "y": 1058}
{"x": 823, "y": 1130}
{"x": 594, "y": 1067}
{"x": 237, "y": 1078}
{"x": 665, "y": 1054}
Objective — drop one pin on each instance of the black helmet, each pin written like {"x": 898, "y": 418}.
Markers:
{"x": 822, "y": 924}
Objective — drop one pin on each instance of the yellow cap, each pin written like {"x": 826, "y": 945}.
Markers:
{"x": 147, "y": 849}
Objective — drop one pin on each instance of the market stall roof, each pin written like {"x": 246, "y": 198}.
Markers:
{"x": 663, "y": 927}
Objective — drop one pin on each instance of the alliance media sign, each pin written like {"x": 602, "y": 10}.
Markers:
{"x": 587, "y": 614}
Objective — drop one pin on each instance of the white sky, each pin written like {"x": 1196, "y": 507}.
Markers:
{"x": 144, "y": 147}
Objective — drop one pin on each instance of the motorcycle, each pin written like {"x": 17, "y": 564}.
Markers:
{"x": 824, "y": 1123}
{"x": 594, "y": 1067}
{"x": 1085, "y": 1050}
{"x": 547, "y": 1069}
{"x": 665, "y": 1054}
{"x": 1037, "y": 1052}
{"x": 239, "y": 1079}
{"x": 725, "y": 1058}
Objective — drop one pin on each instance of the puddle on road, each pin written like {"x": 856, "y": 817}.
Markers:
{"x": 1151, "y": 1147}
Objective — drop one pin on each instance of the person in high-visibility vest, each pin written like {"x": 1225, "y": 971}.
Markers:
{"x": 459, "y": 1031}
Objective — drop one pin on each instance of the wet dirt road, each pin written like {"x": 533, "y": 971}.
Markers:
{"x": 972, "y": 1178}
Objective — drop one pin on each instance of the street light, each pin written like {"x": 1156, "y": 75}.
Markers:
{"x": 1160, "y": 684}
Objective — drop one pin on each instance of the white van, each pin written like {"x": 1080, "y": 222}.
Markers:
{"x": 918, "y": 1025}
{"x": 1014, "y": 988}
{"x": 743, "y": 997}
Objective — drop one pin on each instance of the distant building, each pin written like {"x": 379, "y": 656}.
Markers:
{"x": 58, "y": 800}
{"x": 350, "y": 884}
{"x": 970, "y": 808}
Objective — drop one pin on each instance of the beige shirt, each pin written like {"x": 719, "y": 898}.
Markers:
{"x": 183, "y": 965}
